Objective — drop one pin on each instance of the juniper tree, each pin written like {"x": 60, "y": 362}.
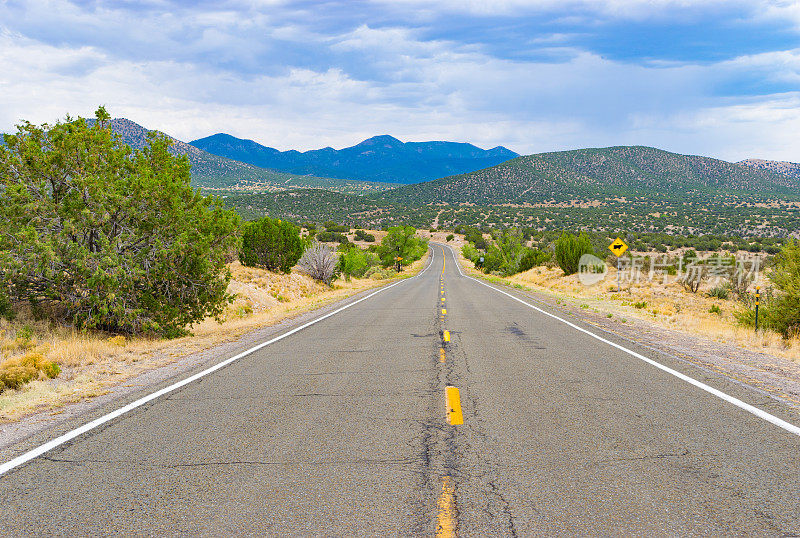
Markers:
{"x": 107, "y": 237}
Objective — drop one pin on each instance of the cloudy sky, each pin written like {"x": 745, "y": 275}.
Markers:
{"x": 712, "y": 77}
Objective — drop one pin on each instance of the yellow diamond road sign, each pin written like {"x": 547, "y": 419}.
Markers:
{"x": 618, "y": 247}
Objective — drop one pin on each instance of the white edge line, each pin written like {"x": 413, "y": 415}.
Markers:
{"x": 789, "y": 427}
{"x": 60, "y": 440}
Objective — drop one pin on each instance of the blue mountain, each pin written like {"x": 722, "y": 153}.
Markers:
{"x": 380, "y": 158}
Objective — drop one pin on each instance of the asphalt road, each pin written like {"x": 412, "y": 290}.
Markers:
{"x": 342, "y": 428}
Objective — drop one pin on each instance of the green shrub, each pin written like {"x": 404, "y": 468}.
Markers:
{"x": 6, "y": 307}
{"x": 355, "y": 262}
{"x": 272, "y": 244}
{"x": 715, "y": 309}
{"x": 332, "y": 237}
{"x": 335, "y": 228}
{"x": 721, "y": 292}
{"x": 533, "y": 258}
{"x": 781, "y": 311}
{"x": 109, "y": 237}
{"x": 361, "y": 235}
{"x": 640, "y": 304}
{"x": 569, "y": 249}
{"x": 450, "y": 237}
{"x": 470, "y": 252}
{"x": 401, "y": 241}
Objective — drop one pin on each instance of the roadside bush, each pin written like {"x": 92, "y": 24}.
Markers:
{"x": 319, "y": 262}
{"x": 355, "y": 262}
{"x": 694, "y": 277}
{"x": 569, "y": 249}
{"x": 106, "y": 237}
{"x": 272, "y": 244}
{"x": 508, "y": 251}
{"x": 721, "y": 292}
{"x": 533, "y": 258}
{"x": 18, "y": 371}
{"x": 401, "y": 241}
{"x": 450, "y": 237}
{"x": 470, "y": 252}
{"x": 781, "y": 312}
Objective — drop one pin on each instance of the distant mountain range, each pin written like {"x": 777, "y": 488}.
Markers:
{"x": 213, "y": 171}
{"x": 380, "y": 158}
{"x": 590, "y": 174}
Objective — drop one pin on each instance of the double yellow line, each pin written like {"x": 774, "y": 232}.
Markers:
{"x": 447, "y": 514}
{"x": 455, "y": 416}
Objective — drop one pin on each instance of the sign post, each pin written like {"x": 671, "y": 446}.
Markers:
{"x": 618, "y": 248}
{"x": 398, "y": 259}
{"x": 758, "y": 300}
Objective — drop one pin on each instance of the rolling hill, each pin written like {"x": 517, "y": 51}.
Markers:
{"x": 380, "y": 158}
{"x": 211, "y": 171}
{"x": 592, "y": 174}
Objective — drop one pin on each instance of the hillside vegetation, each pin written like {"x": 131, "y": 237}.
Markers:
{"x": 588, "y": 175}
{"x": 626, "y": 189}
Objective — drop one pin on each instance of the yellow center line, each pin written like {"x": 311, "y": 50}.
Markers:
{"x": 444, "y": 311}
{"x": 446, "y": 527}
{"x": 442, "y": 357}
{"x": 454, "y": 414}
{"x": 446, "y": 336}
{"x": 442, "y": 299}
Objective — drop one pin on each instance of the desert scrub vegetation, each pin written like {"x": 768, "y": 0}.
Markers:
{"x": 272, "y": 244}
{"x": 401, "y": 242}
{"x": 780, "y": 308}
{"x": 103, "y": 237}
{"x": 504, "y": 254}
{"x": 569, "y": 249}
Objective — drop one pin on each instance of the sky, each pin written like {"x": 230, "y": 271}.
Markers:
{"x": 709, "y": 77}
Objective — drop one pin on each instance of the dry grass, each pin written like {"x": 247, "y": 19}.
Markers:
{"x": 91, "y": 362}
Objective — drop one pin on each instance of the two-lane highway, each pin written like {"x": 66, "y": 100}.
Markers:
{"x": 346, "y": 427}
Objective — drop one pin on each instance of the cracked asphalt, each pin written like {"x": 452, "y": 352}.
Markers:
{"x": 340, "y": 429}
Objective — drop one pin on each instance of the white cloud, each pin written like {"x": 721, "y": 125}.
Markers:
{"x": 391, "y": 80}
